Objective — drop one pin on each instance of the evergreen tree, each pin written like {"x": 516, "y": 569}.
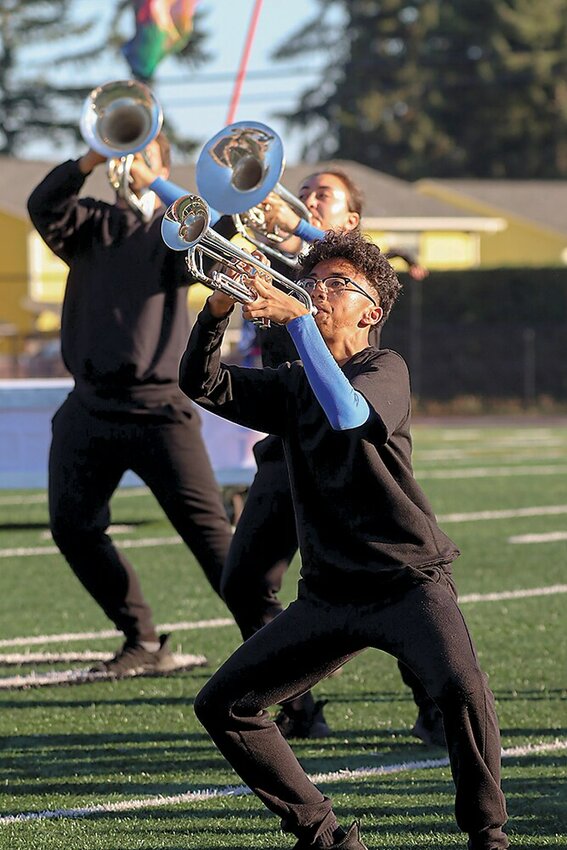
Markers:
{"x": 36, "y": 57}
{"x": 418, "y": 88}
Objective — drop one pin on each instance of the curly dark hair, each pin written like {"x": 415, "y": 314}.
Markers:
{"x": 363, "y": 255}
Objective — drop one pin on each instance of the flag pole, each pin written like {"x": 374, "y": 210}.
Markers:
{"x": 243, "y": 62}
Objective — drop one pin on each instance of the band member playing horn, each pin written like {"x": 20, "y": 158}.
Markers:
{"x": 124, "y": 325}
{"x": 265, "y": 540}
{"x": 376, "y": 567}
{"x": 281, "y": 218}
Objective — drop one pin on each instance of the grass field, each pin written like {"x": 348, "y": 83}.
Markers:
{"x": 126, "y": 765}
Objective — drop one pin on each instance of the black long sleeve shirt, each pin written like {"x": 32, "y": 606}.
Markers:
{"x": 361, "y": 515}
{"x": 125, "y": 319}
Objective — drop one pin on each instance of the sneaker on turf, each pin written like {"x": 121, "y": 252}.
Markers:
{"x": 351, "y": 841}
{"x": 429, "y": 727}
{"x": 133, "y": 659}
{"x": 303, "y": 723}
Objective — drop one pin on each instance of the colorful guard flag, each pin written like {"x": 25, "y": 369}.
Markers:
{"x": 162, "y": 27}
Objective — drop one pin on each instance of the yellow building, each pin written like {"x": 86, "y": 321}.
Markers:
{"x": 438, "y": 224}
{"x": 438, "y": 234}
{"x": 535, "y": 212}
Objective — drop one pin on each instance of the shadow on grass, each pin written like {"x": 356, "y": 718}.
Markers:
{"x": 88, "y": 703}
{"x": 536, "y": 803}
{"x": 384, "y": 807}
{"x": 44, "y": 526}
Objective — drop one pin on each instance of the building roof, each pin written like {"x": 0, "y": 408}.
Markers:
{"x": 542, "y": 202}
{"x": 386, "y": 198}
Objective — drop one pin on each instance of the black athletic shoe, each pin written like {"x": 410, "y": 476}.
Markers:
{"x": 351, "y": 841}
{"x": 134, "y": 660}
{"x": 303, "y": 723}
{"x": 429, "y": 727}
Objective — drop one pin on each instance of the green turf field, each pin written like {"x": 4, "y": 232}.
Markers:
{"x": 118, "y": 766}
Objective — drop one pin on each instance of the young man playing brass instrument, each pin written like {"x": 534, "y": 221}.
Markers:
{"x": 265, "y": 539}
{"x": 124, "y": 324}
{"x": 376, "y": 567}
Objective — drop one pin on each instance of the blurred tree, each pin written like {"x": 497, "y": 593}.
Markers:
{"x": 417, "y": 88}
{"x": 45, "y": 49}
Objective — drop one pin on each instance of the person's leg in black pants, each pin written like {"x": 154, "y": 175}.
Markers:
{"x": 171, "y": 457}
{"x": 86, "y": 463}
{"x": 263, "y": 546}
{"x": 425, "y": 629}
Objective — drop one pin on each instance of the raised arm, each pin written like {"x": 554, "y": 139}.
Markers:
{"x": 344, "y": 407}
{"x": 255, "y": 398}
{"x": 54, "y": 206}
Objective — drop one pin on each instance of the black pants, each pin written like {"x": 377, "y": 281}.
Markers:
{"x": 423, "y": 627}
{"x": 263, "y": 546}
{"x": 89, "y": 454}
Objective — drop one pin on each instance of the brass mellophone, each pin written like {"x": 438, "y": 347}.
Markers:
{"x": 119, "y": 119}
{"x": 235, "y": 172}
{"x": 185, "y": 227}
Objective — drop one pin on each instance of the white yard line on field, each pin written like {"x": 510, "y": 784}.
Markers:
{"x": 142, "y": 543}
{"x": 490, "y": 471}
{"x": 41, "y": 498}
{"x": 78, "y": 676}
{"x": 476, "y": 434}
{"x": 148, "y": 542}
{"x": 550, "y": 537}
{"x": 67, "y": 637}
{"x": 242, "y": 790}
{"x": 83, "y": 676}
{"x": 524, "y": 454}
{"x": 507, "y": 513}
{"x": 528, "y": 593}
{"x": 112, "y": 529}
{"x": 472, "y": 472}
{"x": 17, "y": 658}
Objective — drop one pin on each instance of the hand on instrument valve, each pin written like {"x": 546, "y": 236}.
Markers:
{"x": 90, "y": 160}
{"x": 220, "y": 302}
{"x": 280, "y": 218}
{"x": 271, "y": 304}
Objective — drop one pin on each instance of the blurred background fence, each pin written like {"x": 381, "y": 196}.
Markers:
{"x": 472, "y": 338}
{"x": 494, "y": 335}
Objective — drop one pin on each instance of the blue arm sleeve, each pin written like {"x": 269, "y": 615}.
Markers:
{"x": 307, "y": 231}
{"x": 344, "y": 407}
{"x": 169, "y": 192}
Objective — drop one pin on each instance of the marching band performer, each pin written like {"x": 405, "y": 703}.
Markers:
{"x": 376, "y": 567}
{"x": 265, "y": 539}
{"x": 124, "y": 325}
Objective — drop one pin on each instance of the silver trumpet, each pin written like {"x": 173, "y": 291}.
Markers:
{"x": 185, "y": 227}
{"x": 236, "y": 170}
{"x": 119, "y": 119}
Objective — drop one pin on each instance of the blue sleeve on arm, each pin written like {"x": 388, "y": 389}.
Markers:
{"x": 307, "y": 231}
{"x": 169, "y": 192}
{"x": 344, "y": 407}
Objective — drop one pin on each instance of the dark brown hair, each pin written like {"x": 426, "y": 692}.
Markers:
{"x": 364, "y": 256}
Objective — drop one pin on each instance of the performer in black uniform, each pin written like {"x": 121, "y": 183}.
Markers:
{"x": 265, "y": 539}
{"x": 124, "y": 326}
{"x": 376, "y": 568}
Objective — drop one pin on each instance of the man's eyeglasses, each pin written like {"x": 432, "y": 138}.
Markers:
{"x": 334, "y": 283}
